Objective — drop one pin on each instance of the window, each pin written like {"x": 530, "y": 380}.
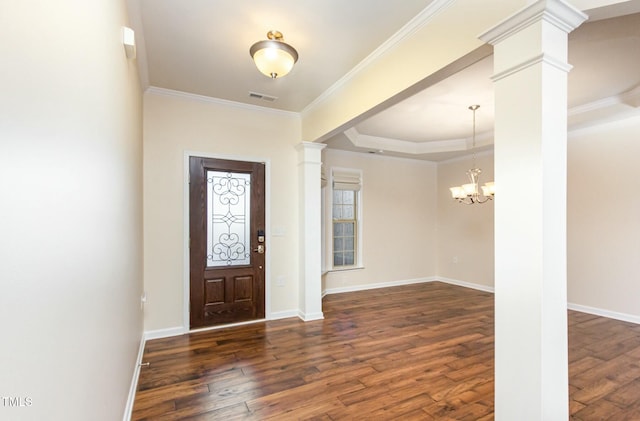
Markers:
{"x": 345, "y": 211}
{"x": 344, "y": 227}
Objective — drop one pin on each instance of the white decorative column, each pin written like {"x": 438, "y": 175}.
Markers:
{"x": 310, "y": 289}
{"x": 530, "y": 76}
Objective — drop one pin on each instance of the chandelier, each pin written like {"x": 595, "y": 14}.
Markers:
{"x": 273, "y": 57}
{"x": 468, "y": 193}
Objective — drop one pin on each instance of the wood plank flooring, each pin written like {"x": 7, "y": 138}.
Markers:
{"x": 417, "y": 352}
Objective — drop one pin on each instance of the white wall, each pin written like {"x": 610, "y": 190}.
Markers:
{"x": 465, "y": 232}
{"x": 71, "y": 210}
{"x": 603, "y": 227}
{"x": 399, "y": 219}
{"x": 175, "y": 123}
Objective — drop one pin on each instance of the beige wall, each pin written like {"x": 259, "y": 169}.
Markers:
{"x": 603, "y": 227}
{"x": 604, "y": 217}
{"x": 175, "y": 124}
{"x": 398, "y": 221}
{"x": 465, "y": 232}
{"x": 431, "y": 234}
{"x": 70, "y": 200}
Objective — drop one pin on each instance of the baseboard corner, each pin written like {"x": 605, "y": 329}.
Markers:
{"x": 309, "y": 317}
{"x": 465, "y": 284}
{"x": 165, "y": 333}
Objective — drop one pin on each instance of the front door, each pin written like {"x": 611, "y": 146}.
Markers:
{"x": 227, "y": 241}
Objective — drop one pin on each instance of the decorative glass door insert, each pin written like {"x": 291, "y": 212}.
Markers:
{"x": 228, "y": 219}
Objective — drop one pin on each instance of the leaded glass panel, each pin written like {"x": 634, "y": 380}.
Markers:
{"x": 228, "y": 219}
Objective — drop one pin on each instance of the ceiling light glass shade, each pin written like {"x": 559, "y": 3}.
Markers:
{"x": 489, "y": 189}
{"x": 273, "y": 57}
{"x": 457, "y": 192}
{"x": 470, "y": 189}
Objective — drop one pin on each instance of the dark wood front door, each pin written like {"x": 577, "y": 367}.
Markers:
{"x": 227, "y": 241}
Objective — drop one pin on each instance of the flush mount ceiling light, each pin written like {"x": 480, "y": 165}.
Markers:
{"x": 273, "y": 57}
{"x": 468, "y": 193}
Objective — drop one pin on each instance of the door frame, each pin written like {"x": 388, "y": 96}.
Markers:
{"x": 185, "y": 229}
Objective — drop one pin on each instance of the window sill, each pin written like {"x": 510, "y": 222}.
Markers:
{"x": 345, "y": 269}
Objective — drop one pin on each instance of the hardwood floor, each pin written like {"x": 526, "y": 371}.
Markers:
{"x": 417, "y": 352}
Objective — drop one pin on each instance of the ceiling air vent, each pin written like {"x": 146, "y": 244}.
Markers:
{"x": 263, "y": 97}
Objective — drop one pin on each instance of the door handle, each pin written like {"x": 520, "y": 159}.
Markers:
{"x": 259, "y": 249}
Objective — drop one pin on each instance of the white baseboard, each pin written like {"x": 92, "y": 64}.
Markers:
{"x": 353, "y": 288}
{"x": 604, "y": 313}
{"x": 180, "y": 330}
{"x": 128, "y": 409}
{"x": 309, "y": 317}
{"x": 283, "y": 314}
{"x": 479, "y": 287}
{"x": 571, "y": 306}
{"x": 165, "y": 333}
{"x": 364, "y": 287}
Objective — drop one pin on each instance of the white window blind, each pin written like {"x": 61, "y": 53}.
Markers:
{"x": 343, "y": 180}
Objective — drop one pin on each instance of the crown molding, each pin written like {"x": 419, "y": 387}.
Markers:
{"x": 154, "y": 90}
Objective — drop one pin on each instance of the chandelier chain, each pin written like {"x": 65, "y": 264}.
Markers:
{"x": 473, "y": 139}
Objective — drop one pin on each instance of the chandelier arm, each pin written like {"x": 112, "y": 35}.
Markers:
{"x": 474, "y": 199}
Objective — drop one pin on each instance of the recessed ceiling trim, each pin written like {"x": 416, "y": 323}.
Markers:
{"x": 355, "y": 154}
{"x": 605, "y": 110}
{"x": 404, "y": 146}
{"x": 466, "y": 157}
{"x": 630, "y": 98}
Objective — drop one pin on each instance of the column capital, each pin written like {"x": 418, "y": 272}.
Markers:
{"x": 556, "y": 12}
{"x": 310, "y": 145}
{"x": 310, "y": 152}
